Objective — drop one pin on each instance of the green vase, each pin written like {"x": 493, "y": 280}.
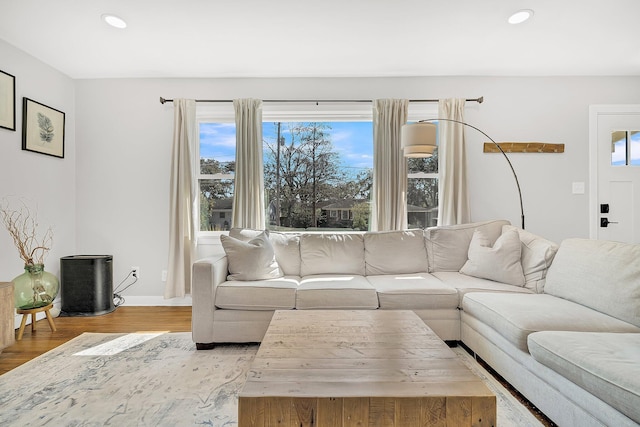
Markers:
{"x": 35, "y": 287}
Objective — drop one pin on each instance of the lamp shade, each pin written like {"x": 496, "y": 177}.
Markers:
{"x": 418, "y": 139}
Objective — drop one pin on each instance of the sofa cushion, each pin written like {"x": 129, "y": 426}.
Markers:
{"x": 336, "y": 292}
{"x": 500, "y": 262}
{"x": 448, "y": 246}
{"x": 395, "y": 252}
{"x": 286, "y": 247}
{"x": 252, "y": 260}
{"x": 537, "y": 255}
{"x": 605, "y": 364}
{"x": 465, "y": 284}
{"x": 515, "y": 316}
{"x": 272, "y": 294}
{"x": 332, "y": 253}
{"x": 599, "y": 274}
{"x": 413, "y": 292}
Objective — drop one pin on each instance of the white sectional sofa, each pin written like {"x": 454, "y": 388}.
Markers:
{"x": 413, "y": 269}
{"x": 563, "y": 329}
{"x": 573, "y": 350}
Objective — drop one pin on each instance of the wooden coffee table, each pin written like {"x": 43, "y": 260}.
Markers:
{"x": 359, "y": 368}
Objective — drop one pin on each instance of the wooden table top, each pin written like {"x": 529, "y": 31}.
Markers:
{"x": 342, "y": 353}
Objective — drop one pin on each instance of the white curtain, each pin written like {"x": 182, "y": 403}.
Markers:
{"x": 389, "y": 193}
{"x": 248, "y": 198}
{"x": 453, "y": 204}
{"x": 183, "y": 199}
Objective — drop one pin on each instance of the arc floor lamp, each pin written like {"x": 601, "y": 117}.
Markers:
{"x": 419, "y": 140}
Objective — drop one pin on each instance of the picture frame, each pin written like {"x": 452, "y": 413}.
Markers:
{"x": 42, "y": 128}
{"x": 7, "y": 101}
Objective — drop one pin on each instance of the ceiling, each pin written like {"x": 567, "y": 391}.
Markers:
{"x": 328, "y": 38}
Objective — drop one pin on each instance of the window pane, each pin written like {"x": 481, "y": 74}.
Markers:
{"x": 423, "y": 164}
{"x": 618, "y": 148}
{"x": 318, "y": 174}
{"x": 635, "y": 147}
{"x": 216, "y": 201}
{"x": 422, "y": 191}
{"x": 217, "y": 148}
{"x": 422, "y": 202}
{"x": 213, "y": 166}
{"x": 625, "y": 148}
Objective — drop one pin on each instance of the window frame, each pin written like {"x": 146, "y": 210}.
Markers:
{"x": 291, "y": 111}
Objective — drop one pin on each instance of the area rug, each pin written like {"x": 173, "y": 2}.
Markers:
{"x": 153, "y": 379}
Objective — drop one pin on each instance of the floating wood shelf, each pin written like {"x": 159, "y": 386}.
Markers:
{"x": 524, "y": 147}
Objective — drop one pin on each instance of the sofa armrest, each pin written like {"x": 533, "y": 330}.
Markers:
{"x": 207, "y": 274}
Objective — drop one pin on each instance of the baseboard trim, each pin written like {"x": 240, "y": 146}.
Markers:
{"x": 155, "y": 300}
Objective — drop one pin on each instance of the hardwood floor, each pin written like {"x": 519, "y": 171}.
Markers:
{"x": 123, "y": 319}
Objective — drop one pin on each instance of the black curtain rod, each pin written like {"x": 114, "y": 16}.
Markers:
{"x": 317, "y": 101}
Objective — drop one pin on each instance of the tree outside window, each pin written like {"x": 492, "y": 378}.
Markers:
{"x": 306, "y": 173}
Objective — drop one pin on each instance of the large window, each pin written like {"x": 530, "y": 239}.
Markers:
{"x": 318, "y": 170}
{"x": 313, "y": 170}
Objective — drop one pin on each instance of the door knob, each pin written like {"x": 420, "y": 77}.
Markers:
{"x": 604, "y": 222}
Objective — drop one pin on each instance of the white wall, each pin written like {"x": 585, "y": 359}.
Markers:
{"x": 109, "y": 194}
{"x": 124, "y": 139}
{"x": 43, "y": 181}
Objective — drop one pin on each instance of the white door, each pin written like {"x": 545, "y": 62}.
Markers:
{"x": 614, "y": 139}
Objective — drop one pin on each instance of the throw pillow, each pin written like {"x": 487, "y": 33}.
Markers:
{"x": 537, "y": 255}
{"x": 252, "y": 260}
{"x": 448, "y": 245}
{"x": 286, "y": 246}
{"x": 500, "y": 263}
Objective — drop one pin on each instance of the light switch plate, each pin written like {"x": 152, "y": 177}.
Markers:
{"x": 577, "y": 188}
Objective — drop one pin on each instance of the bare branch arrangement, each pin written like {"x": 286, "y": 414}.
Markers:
{"x": 22, "y": 226}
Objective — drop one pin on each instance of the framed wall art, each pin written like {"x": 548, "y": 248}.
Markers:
{"x": 7, "y": 101}
{"x": 42, "y": 128}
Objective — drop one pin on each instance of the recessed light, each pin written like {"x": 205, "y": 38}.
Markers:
{"x": 114, "y": 21}
{"x": 520, "y": 16}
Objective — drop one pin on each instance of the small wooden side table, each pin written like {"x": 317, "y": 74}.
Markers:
{"x": 33, "y": 312}
{"x": 7, "y": 328}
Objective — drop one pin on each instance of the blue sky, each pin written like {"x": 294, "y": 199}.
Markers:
{"x": 218, "y": 141}
{"x": 353, "y": 141}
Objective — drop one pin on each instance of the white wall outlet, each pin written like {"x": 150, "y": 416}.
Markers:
{"x": 135, "y": 271}
{"x": 163, "y": 276}
{"x": 577, "y": 187}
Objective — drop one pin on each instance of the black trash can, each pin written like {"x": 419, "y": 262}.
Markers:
{"x": 86, "y": 285}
